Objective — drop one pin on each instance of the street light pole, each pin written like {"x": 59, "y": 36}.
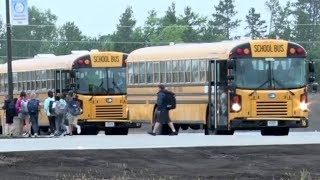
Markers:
{"x": 9, "y": 51}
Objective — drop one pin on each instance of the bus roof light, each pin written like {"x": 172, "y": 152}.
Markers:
{"x": 87, "y": 61}
{"x": 80, "y": 61}
{"x": 239, "y": 51}
{"x": 300, "y": 51}
{"x": 246, "y": 51}
{"x": 292, "y": 50}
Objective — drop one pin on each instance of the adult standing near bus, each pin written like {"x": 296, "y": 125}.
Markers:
{"x": 162, "y": 113}
{"x": 23, "y": 113}
{"x": 48, "y": 103}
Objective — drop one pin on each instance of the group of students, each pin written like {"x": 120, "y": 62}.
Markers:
{"x": 62, "y": 110}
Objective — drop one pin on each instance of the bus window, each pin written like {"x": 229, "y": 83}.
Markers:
{"x": 156, "y": 72}
{"x": 15, "y": 81}
{"x": 130, "y": 73}
{"x": 43, "y": 79}
{"x": 195, "y": 70}
{"x": 142, "y": 78}
{"x": 182, "y": 68}
{"x": 162, "y": 71}
{"x": 175, "y": 71}
{"x": 149, "y": 72}
{"x": 135, "y": 73}
{"x": 188, "y": 71}
{"x": 203, "y": 70}
{"x": 169, "y": 72}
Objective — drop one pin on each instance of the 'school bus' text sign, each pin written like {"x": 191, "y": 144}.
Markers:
{"x": 106, "y": 59}
{"x": 269, "y": 48}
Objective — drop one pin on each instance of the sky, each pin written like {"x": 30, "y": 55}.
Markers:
{"x": 100, "y": 17}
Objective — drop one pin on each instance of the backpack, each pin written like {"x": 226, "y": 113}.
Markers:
{"x": 33, "y": 106}
{"x": 24, "y": 106}
{"x": 60, "y": 108}
{"x": 74, "y": 109}
{"x": 171, "y": 100}
{"x": 11, "y": 108}
{"x": 50, "y": 107}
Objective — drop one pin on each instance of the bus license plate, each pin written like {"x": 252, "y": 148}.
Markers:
{"x": 109, "y": 124}
{"x": 272, "y": 123}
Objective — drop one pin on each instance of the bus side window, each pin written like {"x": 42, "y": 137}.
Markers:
{"x": 149, "y": 72}
{"x": 135, "y": 73}
{"x": 162, "y": 71}
{"x": 130, "y": 73}
{"x": 156, "y": 72}
{"x": 203, "y": 70}
{"x": 182, "y": 68}
{"x": 188, "y": 71}
{"x": 195, "y": 70}
{"x": 169, "y": 72}
{"x": 142, "y": 78}
{"x": 175, "y": 71}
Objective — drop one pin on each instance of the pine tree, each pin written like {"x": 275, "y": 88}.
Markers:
{"x": 256, "y": 26}
{"x": 222, "y": 22}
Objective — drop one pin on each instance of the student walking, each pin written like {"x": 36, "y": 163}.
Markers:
{"x": 162, "y": 114}
{"x": 49, "y": 111}
{"x": 60, "y": 109}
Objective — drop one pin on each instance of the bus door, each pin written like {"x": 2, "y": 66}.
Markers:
{"x": 62, "y": 81}
{"x": 218, "y": 96}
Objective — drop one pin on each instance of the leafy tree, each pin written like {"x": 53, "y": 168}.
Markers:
{"x": 194, "y": 24}
{"x": 2, "y": 42}
{"x": 37, "y": 37}
{"x": 222, "y": 22}
{"x": 70, "y": 37}
{"x": 124, "y": 36}
{"x": 170, "y": 17}
{"x": 169, "y": 34}
{"x": 257, "y": 27}
{"x": 307, "y": 15}
{"x": 280, "y": 20}
{"x": 151, "y": 26}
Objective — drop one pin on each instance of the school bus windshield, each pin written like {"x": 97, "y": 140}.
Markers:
{"x": 270, "y": 73}
{"x": 101, "y": 81}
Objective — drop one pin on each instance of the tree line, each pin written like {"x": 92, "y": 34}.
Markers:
{"x": 297, "y": 21}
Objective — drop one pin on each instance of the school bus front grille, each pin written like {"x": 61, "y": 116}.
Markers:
{"x": 109, "y": 111}
{"x": 267, "y": 108}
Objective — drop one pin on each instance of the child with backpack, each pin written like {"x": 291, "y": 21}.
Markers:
{"x": 60, "y": 109}
{"x": 34, "y": 108}
{"x": 23, "y": 113}
{"x": 48, "y": 103}
{"x": 10, "y": 111}
{"x": 73, "y": 112}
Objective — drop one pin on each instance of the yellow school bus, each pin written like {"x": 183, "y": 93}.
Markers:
{"x": 97, "y": 78}
{"x": 224, "y": 86}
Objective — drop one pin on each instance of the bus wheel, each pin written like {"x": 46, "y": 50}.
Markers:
{"x": 275, "y": 132}
{"x": 184, "y": 126}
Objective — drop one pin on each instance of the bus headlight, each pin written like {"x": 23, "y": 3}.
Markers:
{"x": 303, "y": 106}
{"x": 236, "y": 107}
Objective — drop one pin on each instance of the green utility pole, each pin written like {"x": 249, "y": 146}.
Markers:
{"x": 9, "y": 51}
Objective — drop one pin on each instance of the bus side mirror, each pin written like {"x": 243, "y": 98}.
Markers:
{"x": 73, "y": 73}
{"x": 311, "y": 66}
{"x": 311, "y": 79}
{"x": 230, "y": 77}
{"x": 231, "y": 64}
{"x": 314, "y": 87}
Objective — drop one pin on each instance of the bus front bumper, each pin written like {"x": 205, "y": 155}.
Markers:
{"x": 103, "y": 125}
{"x": 258, "y": 124}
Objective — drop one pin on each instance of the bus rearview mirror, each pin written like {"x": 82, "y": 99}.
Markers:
{"x": 231, "y": 64}
{"x": 311, "y": 66}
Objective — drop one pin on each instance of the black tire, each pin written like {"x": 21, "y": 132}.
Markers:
{"x": 184, "y": 126}
{"x": 224, "y": 132}
{"x": 0, "y": 129}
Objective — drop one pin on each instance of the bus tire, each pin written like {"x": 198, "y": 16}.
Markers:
{"x": 0, "y": 129}
{"x": 184, "y": 126}
{"x": 224, "y": 132}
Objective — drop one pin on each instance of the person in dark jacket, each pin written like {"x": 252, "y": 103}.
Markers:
{"x": 10, "y": 111}
{"x": 162, "y": 113}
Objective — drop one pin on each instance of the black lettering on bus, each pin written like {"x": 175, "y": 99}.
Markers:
{"x": 98, "y": 59}
{"x": 263, "y": 48}
{"x": 278, "y": 48}
{"x": 115, "y": 59}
